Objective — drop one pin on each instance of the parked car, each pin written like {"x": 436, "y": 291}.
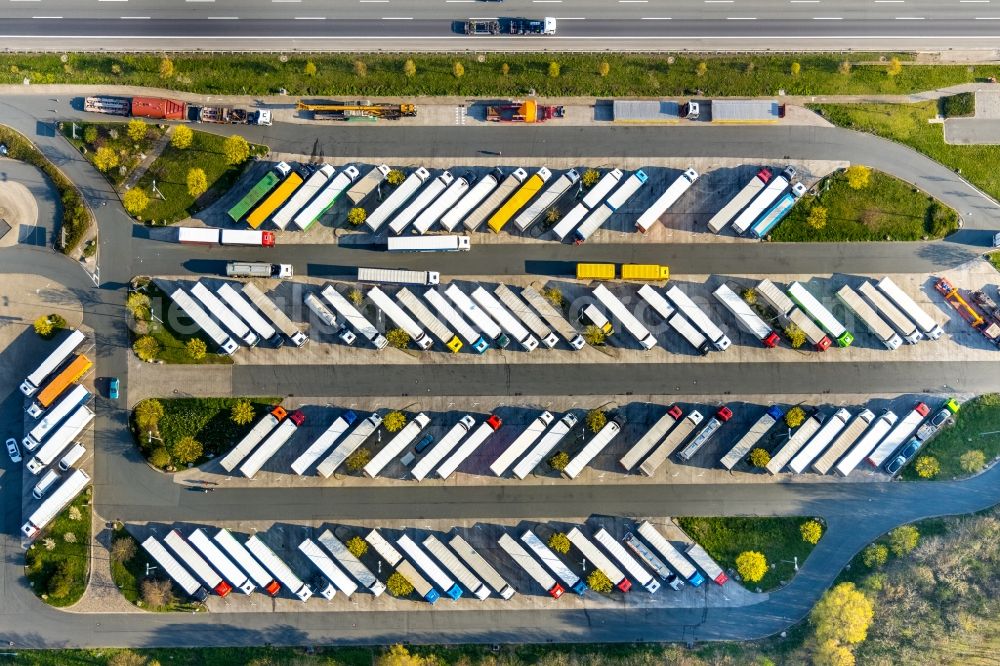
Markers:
{"x": 113, "y": 388}
{"x": 13, "y": 451}
{"x": 424, "y": 442}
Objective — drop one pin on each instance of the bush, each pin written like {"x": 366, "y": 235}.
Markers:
{"x": 196, "y": 348}
{"x": 760, "y": 457}
{"x": 355, "y": 296}
{"x": 242, "y": 412}
{"x": 832, "y": 653}
{"x": 458, "y": 69}
{"x": 559, "y": 542}
{"x": 598, "y": 581}
{"x": 817, "y": 217}
{"x": 43, "y": 326}
{"x": 357, "y": 216}
{"x": 844, "y": 68}
{"x": 398, "y": 338}
{"x": 594, "y": 336}
{"x": 843, "y": 615}
{"x": 796, "y": 336}
{"x": 395, "y": 177}
{"x": 187, "y": 450}
{"x": 398, "y": 586}
{"x": 553, "y": 296}
{"x": 166, "y": 68}
{"x": 197, "y": 182}
{"x": 360, "y": 69}
{"x": 751, "y": 565}
{"x": 394, "y": 421}
{"x": 749, "y": 295}
{"x": 147, "y": 348}
{"x": 236, "y": 149}
{"x": 357, "y": 460}
{"x": 604, "y": 68}
{"x": 148, "y": 413}
{"x": 135, "y": 201}
{"x": 927, "y": 467}
{"x": 409, "y": 68}
{"x": 123, "y": 549}
{"x": 875, "y": 555}
{"x": 973, "y": 461}
{"x": 590, "y": 177}
{"x": 182, "y": 137}
{"x": 795, "y": 417}
{"x": 903, "y": 540}
{"x": 962, "y": 104}
{"x": 554, "y": 70}
{"x": 105, "y": 159}
{"x": 596, "y": 419}
{"x": 309, "y": 69}
{"x": 895, "y": 67}
{"x": 811, "y": 531}
{"x": 138, "y": 304}
{"x": 137, "y": 130}
{"x": 357, "y": 546}
{"x": 795, "y": 69}
{"x": 61, "y": 582}
{"x": 858, "y": 176}
{"x": 702, "y": 69}
{"x": 157, "y": 593}
{"x": 160, "y": 457}
{"x": 559, "y": 461}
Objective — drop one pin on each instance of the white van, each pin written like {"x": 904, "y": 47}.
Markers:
{"x": 44, "y": 484}
{"x": 73, "y": 455}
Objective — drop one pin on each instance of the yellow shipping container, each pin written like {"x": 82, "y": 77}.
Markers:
{"x": 595, "y": 271}
{"x": 645, "y": 272}
{"x": 273, "y": 202}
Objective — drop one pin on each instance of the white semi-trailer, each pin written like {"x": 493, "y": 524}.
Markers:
{"x": 52, "y": 505}
{"x": 357, "y": 320}
{"x": 879, "y": 429}
{"x": 820, "y": 314}
{"x": 432, "y": 191}
{"x": 221, "y": 562}
{"x": 196, "y": 563}
{"x": 794, "y": 443}
{"x": 278, "y": 568}
{"x": 248, "y": 314}
{"x": 443, "y": 447}
{"x": 602, "y": 188}
{"x": 899, "y": 434}
{"x": 599, "y": 559}
{"x": 698, "y": 317}
{"x": 848, "y": 436}
{"x": 324, "y": 314}
{"x": 472, "y": 198}
{"x": 626, "y": 318}
{"x": 466, "y": 448}
{"x": 671, "y": 442}
{"x": 429, "y": 320}
{"x": 78, "y": 396}
{"x": 175, "y": 569}
{"x": 228, "y": 543}
{"x": 396, "y": 445}
{"x": 651, "y": 438}
{"x": 748, "y": 320}
{"x": 903, "y": 325}
{"x": 927, "y": 326}
{"x": 547, "y": 199}
{"x": 497, "y": 197}
{"x": 752, "y": 436}
{"x": 323, "y": 201}
{"x": 530, "y": 566}
{"x": 397, "y": 276}
{"x": 645, "y": 553}
{"x": 545, "y": 445}
{"x": 303, "y": 196}
{"x": 389, "y": 553}
{"x": 631, "y": 565}
{"x": 398, "y": 197}
{"x": 525, "y": 314}
{"x": 674, "y": 558}
{"x": 554, "y": 318}
{"x": 659, "y": 304}
{"x": 599, "y": 215}
{"x": 763, "y": 201}
{"x": 483, "y": 569}
{"x": 596, "y": 444}
{"x": 869, "y": 317}
{"x": 814, "y": 334}
{"x": 252, "y": 439}
{"x": 327, "y": 567}
{"x": 739, "y": 202}
{"x": 669, "y": 197}
{"x": 323, "y": 443}
{"x": 455, "y": 566}
{"x": 507, "y": 321}
{"x": 569, "y": 221}
{"x": 55, "y": 359}
{"x": 705, "y": 562}
{"x": 421, "y": 559}
{"x": 350, "y": 444}
{"x": 365, "y": 186}
{"x": 478, "y": 317}
{"x": 224, "y": 315}
{"x": 553, "y": 562}
{"x": 272, "y": 312}
{"x": 384, "y": 303}
{"x": 441, "y": 205}
{"x": 527, "y": 437}
{"x": 215, "y": 333}
{"x": 815, "y": 446}
{"x": 63, "y": 436}
{"x": 278, "y": 437}
{"x": 352, "y": 564}
{"x": 452, "y": 316}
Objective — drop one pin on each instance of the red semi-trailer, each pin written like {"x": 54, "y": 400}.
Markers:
{"x": 158, "y": 108}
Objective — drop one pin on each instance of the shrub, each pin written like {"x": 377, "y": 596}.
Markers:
{"x": 357, "y": 460}
{"x": 598, "y": 581}
{"x": 811, "y": 531}
{"x": 397, "y": 584}
{"x": 182, "y": 137}
{"x": 409, "y": 68}
{"x": 962, "y": 104}
{"x": 360, "y": 69}
{"x": 137, "y": 130}
{"x": 844, "y": 67}
{"x": 796, "y": 336}
{"x": 123, "y": 549}
{"x": 187, "y": 450}
{"x": 760, "y": 457}
{"x": 552, "y": 215}
{"x": 749, "y": 295}
{"x": 236, "y": 149}
{"x": 972, "y": 461}
{"x": 357, "y": 216}
{"x": 148, "y": 413}
{"x": 796, "y": 69}
{"x": 242, "y": 412}
{"x": 895, "y": 67}
{"x": 357, "y": 546}
{"x": 394, "y": 421}
{"x": 105, "y": 159}
{"x": 553, "y": 296}
{"x": 61, "y": 582}
{"x": 927, "y": 467}
{"x": 559, "y": 461}
{"x": 702, "y": 69}
{"x": 135, "y": 201}
{"x": 355, "y": 296}
{"x": 196, "y": 349}
{"x": 832, "y": 653}
{"x": 751, "y": 565}
{"x": 160, "y": 457}
{"x": 596, "y": 419}
{"x": 146, "y": 348}
{"x": 875, "y": 555}
{"x": 903, "y": 540}
{"x": 458, "y": 69}
{"x": 43, "y": 326}
{"x": 604, "y": 68}
{"x": 817, "y": 217}
{"x": 858, "y": 176}
{"x": 554, "y": 70}
{"x": 138, "y": 304}
{"x": 590, "y": 177}
{"x": 309, "y": 69}
{"x": 90, "y": 134}
{"x": 197, "y": 182}
{"x": 398, "y": 338}
{"x": 559, "y": 542}
{"x": 156, "y": 593}
{"x": 395, "y": 177}
{"x": 166, "y": 68}
{"x": 594, "y": 336}
{"x": 794, "y": 417}
{"x": 504, "y": 69}
{"x": 843, "y": 615}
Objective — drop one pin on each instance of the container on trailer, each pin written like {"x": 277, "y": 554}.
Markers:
{"x": 252, "y": 439}
{"x": 314, "y": 183}
{"x": 326, "y": 198}
{"x": 752, "y": 436}
{"x": 631, "y": 565}
{"x": 472, "y": 198}
{"x": 72, "y": 456}
{"x": 55, "y": 416}
{"x": 350, "y": 444}
{"x": 215, "y": 333}
{"x": 530, "y": 566}
{"x": 653, "y": 272}
{"x": 927, "y": 326}
{"x": 747, "y": 111}
{"x": 903, "y": 325}
{"x": 798, "y": 439}
{"x": 273, "y": 201}
{"x": 644, "y": 553}
{"x": 723, "y": 217}
{"x": 848, "y": 436}
{"x": 674, "y": 558}
{"x": 813, "y": 333}
{"x": 545, "y": 445}
{"x": 389, "y": 553}
{"x": 384, "y": 303}
{"x": 569, "y": 221}
{"x": 599, "y": 215}
{"x": 529, "y": 188}
{"x": 674, "y": 439}
{"x": 435, "y": 243}
{"x": 272, "y": 312}
{"x": 278, "y": 568}
{"x": 524, "y": 313}
{"x": 651, "y": 438}
{"x": 57, "y": 442}
{"x": 402, "y": 439}
{"x": 224, "y": 315}
{"x": 241, "y": 307}
{"x": 820, "y": 314}
{"x": 553, "y": 562}
{"x": 527, "y": 437}
{"x": 627, "y": 319}
{"x": 351, "y": 564}
{"x": 546, "y": 199}
{"x": 698, "y": 317}
{"x": 44, "y": 483}
{"x": 707, "y": 432}
{"x": 197, "y": 563}
{"x": 452, "y": 316}
{"x": 880, "y": 427}
{"x": 478, "y": 317}
{"x": 397, "y": 276}
{"x": 357, "y": 320}
{"x": 221, "y": 562}
{"x": 554, "y": 318}
{"x": 159, "y": 108}
{"x": 428, "y": 566}
{"x": 899, "y": 434}
{"x": 327, "y": 567}
{"x": 760, "y": 203}
{"x": 815, "y": 446}
{"x": 706, "y": 563}
{"x": 399, "y": 196}
{"x": 663, "y": 203}
{"x": 442, "y": 448}
{"x": 264, "y": 580}
{"x": 455, "y": 566}
{"x": 474, "y": 219}
{"x": 174, "y": 569}
{"x": 748, "y": 320}
{"x": 76, "y": 369}
{"x": 323, "y": 443}
{"x": 869, "y": 317}
{"x": 599, "y": 559}
{"x": 514, "y": 328}
{"x": 776, "y": 213}
{"x": 428, "y": 319}
{"x": 425, "y": 198}
{"x": 366, "y": 185}
{"x": 471, "y": 443}
{"x": 52, "y": 362}
{"x": 442, "y": 204}
{"x": 592, "y": 448}
{"x": 274, "y": 441}
{"x": 595, "y": 271}
{"x": 484, "y": 569}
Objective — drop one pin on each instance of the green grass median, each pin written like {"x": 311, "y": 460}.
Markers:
{"x": 976, "y": 428}
{"x": 57, "y": 564}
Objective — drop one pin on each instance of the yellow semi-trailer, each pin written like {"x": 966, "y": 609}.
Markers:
{"x": 275, "y": 200}
{"x": 498, "y": 196}
{"x": 644, "y": 272}
{"x": 524, "y": 194}
{"x": 595, "y": 272}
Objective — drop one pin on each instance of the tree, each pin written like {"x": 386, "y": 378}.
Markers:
{"x": 395, "y": 177}
{"x": 135, "y": 201}
{"x": 357, "y": 546}
{"x": 137, "y": 130}
{"x": 972, "y": 461}
{"x": 895, "y": 67}
{"x": 552, "y": 215}
{"x": 310, "y": 68}
{"x": 398, "y": 586}
{"x": 160, "y": 457}
{"x": 702, "y": 69}
{"x": 796, "y": 68}
{"x": 355, "y": 296}
{"x": 504, "y": 69}
{"x": 832, "y": 653}
{"x": 398, "y": 338}
{"x": 458, "y": 69}
{"x": 590, "y": 177}
{"x": 187, "y": 450}
{"x": 400, "y": 656}
{"x": 749, "y": 295}
{"x": 146, "y": 348}
{"x": 604, "y": 68}
{"x": 360, "y": 69}
{"x": 843, "y": 615}
{"x": 195, "y": 349}
{"x": 138, "y": 304}
{"x": 927, "y": 467}
{"x": 128, "y": 658}
{"x": 594, "y": 336}
{"x": 123, "y": 549}
{"x": 148, "y": 413}
{"x": 794, "y": 417}
{"x": 844, "y": 67}
{"x": 554, "y": 70}
{"x": 796, "y": 336}
{"x": 105, "y": 158}
{"x": 554, "y": 296}
{"x": 811, "y": 531}
{"x": 598, "y": 581}
{"x": 596, "y": 419}
{"x": 357, "y": 216}
{"x": 166, "y": 68}
{"x": 357, "y": 460}
{"x": 875, "y": 555}
{"x": 156, "y": 593}
{"x": 409, "y": 68}
{"x": 394, "y": 421}
{"x": 43, "y": 326}
{"x": 817, "y": 218}
{"x": 559, "y": 461}
{"x": 903, "y": 540}
{"x": 559, "y": 542}
{"x": 90, "y": 134}
{"x": 182, "y": 137}
{"x": 236, "y": 149}
{"x": 858, "y": 176}
{"x": 61, "y": 583}
{"x": 760, "y": 457}
{"x": 242, "y": 412}
{"x": 197, "y": 182}
{"x": 751, "y": 565}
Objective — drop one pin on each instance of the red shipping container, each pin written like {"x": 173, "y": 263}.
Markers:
{"x": 158, "y": 108}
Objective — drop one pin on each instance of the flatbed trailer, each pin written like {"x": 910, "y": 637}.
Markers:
{"x": 525, "y": 314}
{"x": 425, "y": 198}
{"x": 323, "y": 443}
{"x": 388, "y": 306}
{"x": 725, "y": 215}
{"x": 545, "y": 445}
{"x": 272, "y": 312}
{"x": 393, "y": 557}
{"x": 443, "y": 447}
{"x": 396, "y": 445}
{"x": 748, "y": 320}
{"x": 599, "y": 559}
{"x": 553, "y": 562}
{"x": 820, "y": 314}
{"x": 646, "y": 554}
{"x": 756, "y": 432}
{"x": 554, "y": 318}
{"x": 351, "y": 564}
{"x": 784, "y": 454}
{"x": 452, "y": 316}
{"x": 528, "y": 111}
{"x": 927, "y": 325}
{"x": 669, "y": 197}
{"x": 476, "y": 194}
{"x": 455, "y": 566}
{"x": 349, "y": 445}
{"x": 592, "y": 448}
{"x": 880, "y": 428}
{"x": 365, "y": 186}
{"x": 530, "y": 566}
{"x": 484, "y": 569}
{"x": 428, "y": 319}
{"x": 497, "y": 196}
{"x": 529, "y": 188}
{"x": 815, "y": 446}
{"x": 651, "y": 438}
{"x": 869, "y": 317}
{"x": 698, "y": 317}
{"x": 471, "y": 443}
{"x": 674, "y": 439}
{"x": 847, "y": 437}
{"x": 636, "y": 570}
{"x": 549, "y": 197}
{"x": 265, "y": 581}
{"x": 674, "y": 558}
{"x": 399, "y": 196}
{"x": 516, "y": 448}
{"x": 52, "y": 362}
{"x": 302, "y": 196}
{"x": 903, "y": 325}
{"x": 174, "y": 569}
{"x": 53, "y": 505}
{"x": 442, "y": 204}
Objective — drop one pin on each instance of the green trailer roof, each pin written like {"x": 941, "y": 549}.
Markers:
{"x": 255, "y": 194}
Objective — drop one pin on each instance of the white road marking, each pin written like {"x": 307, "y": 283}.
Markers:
{"x": 134, "y": 18}
{"x": 656, "y": 18}
{"x": 310, "y": 18}
{"x": 909, "y": 18}
{"x": 741, "y": 18}
{"x": 827, "y": 18}
{"x": 223, "y": 18}
{"x": 46, "y": 17}
{"x": 397, "y": 18}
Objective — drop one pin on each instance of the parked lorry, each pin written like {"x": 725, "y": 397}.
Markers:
{"x": 434, "y": 243}
{"x": 902, "y": 300}
{"x": 421, "y": 559}
{"x": 274, "y": 441}
{"x": 326, "y": 198}
{"x": 399, "y": 196}
{"x": 654, "y": 272}
{"x": 530, "y": 566}
{"x": 210, "y": 236}
{"x": 671, "y": 442}
{"x": 351, "y": 443}
{"x": 264, "y": 580}
{"x": 478, "y": 317}
{"x": 392, "y": 556}
{"x": 529, "y": 188}
{"x": 428, "y": 319}
{"x": 427, "y": 195}
{"x": 644, "y": 553}
{"x": 278, "y": 568}
{"x": 365, "y": 186}
{"x": 521, "y": 444}
{"x": 443, "y": 447}
{"x": 474, "y": 219}
{"x": 591, "y": 271}
{"x": 675, "y": 320}
{"x": 333, "y": 573}
{"x": 357, "y": 320}
{"x": 443, "y": 203}
{"x": 748, "y": 320}
{"x": 880, "y": 427}
{"x": 524, "y": 313}
{"x": 725, "y": 215}
{"x": 402, "y": 439}
{"x": 953, "y": 297}
{"x": 247, "y": 313}
{"x": 767, "y": 196}
{"x": 471, "y": 443}
{"x": 798, "y": 439}
{"x": 275, "y": 200}
{"x": 545, "y": 445}
{"x": 324, "y": 314}
{"x": 191, "y": 308}
{"x": 52, "y": 362}
{"x": 196, "y": 563}
{"x": 259, "y": 190}
{"x": 272, "y": 312}
{"x": 174, "y": 569}
{"x": 472, "y": 198}
{"x": 663, "y": 203}
{"x": 815, "y": 446}
{"x": 698, "y": 317}
{"x": 57, "y": 442}
{"x": 599, "y": 559}
{"x": 775, "y": 299}
{"x": 229, "y": 320}
{"x": 592, "y": 448}
{"x": 548, "y": 198}
{"x": 623, "y": 315}
{"x": 749, "y": 440}
{"x": 899, "y": 434}
{"x": 72, "y": 456}
{"x": 601, "y": 212}
{"x": 880, "y": 302}
{"x": 869, "y": 317}
{"x": 553, "y": 562}
{"x": 554, "y": 318}
{"x": 777, "y": 212}
{"x": 388, "y": 306}
{"x": 706, "y": 433}
{"x": 68, "y": 405}
{"x": 636, "y": 570}
{"x": 46, "y": 482}
{"x": 511, "y": 26}
{"x": 651, "y": 438}
{"x": 938, "y": 421}
{"x": 258, "y": 269}
{"x": 225, "y": 115}
{"x": 591, "y": 316}
{"x": 76, "y": 369}
{"x": 678, "y": 562}
{"x": 462, "y": 327}
{"x": 706, "y": 563}
{"x": 820, "y": 314}
{"x": 313, "y": 185}
{"x": 158, "y": 108}
{"x": 528, "y": 111}
{"x": 351, "y": 564}
{"x": 252, "y": 439}
{"x": 222, "y": 562}
{"x": 848, "y": 436}
{"x": 323, "y": 443}
{"x": 514, "y": 328}
{"x": 484, "y": 569}
{"x": 447, "y": 558}
{"x": 53, "y": 505}
{"x": 814, "y": 334}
